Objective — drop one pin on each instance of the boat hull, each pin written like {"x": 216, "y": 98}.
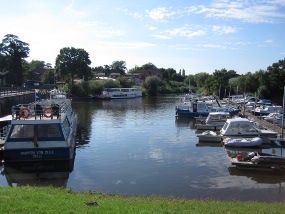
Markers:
{"x": 39, "y": 154}
{"x": 187, "y": 113}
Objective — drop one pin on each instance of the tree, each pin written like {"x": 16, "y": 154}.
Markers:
{"x": 48, "y": 77}
{"x": 125, "y": 82}
{"x": 34, "y": 70}
{"x": 15, "y": 51}
{"x": 200, "y": 79}
{"x": 119, "y": 67}
{"x": 72, "y": 62}
{"x": 152, "y": 84}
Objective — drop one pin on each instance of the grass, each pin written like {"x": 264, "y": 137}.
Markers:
{"x": 60, "y": 201}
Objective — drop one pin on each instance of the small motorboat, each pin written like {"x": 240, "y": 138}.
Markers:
{"x": 209, "y": 136}
{"x": 259, "y": 161}
{"x": 242, "y": 142}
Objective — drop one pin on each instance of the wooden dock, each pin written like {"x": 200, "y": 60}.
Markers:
{"x": 264, "y": 124}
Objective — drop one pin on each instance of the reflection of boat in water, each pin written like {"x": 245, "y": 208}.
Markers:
{"x": 185, "y": 122}
{"x": 38, "y": 173}
{"x": 260, "y": 177}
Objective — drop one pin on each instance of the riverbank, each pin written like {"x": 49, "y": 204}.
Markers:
{"x": 57, "y": 200}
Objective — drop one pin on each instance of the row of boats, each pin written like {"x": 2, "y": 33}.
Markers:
{"x": 217, "y": 123}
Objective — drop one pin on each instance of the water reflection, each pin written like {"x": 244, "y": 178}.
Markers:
{"x": 260, "y": 177}
{"x": 40, "y": 173}
{"x": 182, "y": 122}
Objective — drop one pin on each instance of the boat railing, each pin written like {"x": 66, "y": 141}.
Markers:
{"x": 40, "y": 110}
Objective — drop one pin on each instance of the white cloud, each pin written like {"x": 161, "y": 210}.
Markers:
{"x": 246, "y": 11}
{"x": 152, "y": 28}
{"x": 159, "y": 14}
{"x": 184, "y": 31}
{"x": 224, "y": 29}
{"x": 268, "y": 41}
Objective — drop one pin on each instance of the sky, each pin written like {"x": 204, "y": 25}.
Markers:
{"x": 194, "y": 35}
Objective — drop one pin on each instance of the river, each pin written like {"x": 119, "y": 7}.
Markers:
{"x": 138, "y": 147}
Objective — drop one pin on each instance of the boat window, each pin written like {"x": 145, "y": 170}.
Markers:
{"x": 245, "y": 128}
{"x": 22, "y": 131}
{"x": 48, "y": 131}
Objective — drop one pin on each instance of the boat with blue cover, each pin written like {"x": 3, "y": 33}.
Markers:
{"x": 42, "y": 130}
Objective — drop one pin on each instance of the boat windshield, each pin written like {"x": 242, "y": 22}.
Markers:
{"x": 48, "y": 131}
{"x": 42, "y": 131}
{"x": 22, "y": 131}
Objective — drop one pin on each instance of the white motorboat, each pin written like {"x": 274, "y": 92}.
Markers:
{"x": 266, "y": 110}
{"x": 209, "y": 136}
{"x": 239, "y": 128}
{"x": 214, "y": 121}
{"x": 275, "y": 117}
{"x": 42, "y": 130}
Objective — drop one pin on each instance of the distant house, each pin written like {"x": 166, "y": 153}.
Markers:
{"x": 137, "y": 78}
{"x": 114, "y": 75}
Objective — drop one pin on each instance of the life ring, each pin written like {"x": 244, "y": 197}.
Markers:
{"x": 48, "y": 112}
{"x": 24, "y": 112}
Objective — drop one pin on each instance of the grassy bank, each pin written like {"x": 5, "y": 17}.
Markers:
{"x": 54, "y": 200}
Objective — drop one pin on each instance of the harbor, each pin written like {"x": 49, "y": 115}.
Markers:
{"x": 138, "y": 147}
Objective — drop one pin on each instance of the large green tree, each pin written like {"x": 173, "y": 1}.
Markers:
{"x": 73, "y": 62}
{"x": 35, "y": 68}
{"x": 119, "y": 67}
{"x": 14, "y": 50}
{"x": 152, "y": 84}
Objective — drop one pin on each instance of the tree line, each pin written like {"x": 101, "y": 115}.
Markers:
{"x": 74, "y": 63}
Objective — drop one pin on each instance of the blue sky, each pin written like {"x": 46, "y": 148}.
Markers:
{"x": 198, "y": 36}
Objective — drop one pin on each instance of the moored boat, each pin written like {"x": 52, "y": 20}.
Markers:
{"x": 257, "y": 161}
{"x": 121, "y": 93}
{"x": 238, "y": 128}
{"x": 195, "y": 108}
{"x": 214, "y": 121}
{"x": 42, "y": 130}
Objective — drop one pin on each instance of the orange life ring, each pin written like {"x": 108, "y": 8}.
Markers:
{"x": 24, "y": 112}
{"x": 48, "y": 112}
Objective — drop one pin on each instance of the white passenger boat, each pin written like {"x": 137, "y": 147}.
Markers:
{"x": 121, "y": 93}
{"x": 42, "y": 130}
{"x": 239, "y": 128}
{"x": 214, "y": 121}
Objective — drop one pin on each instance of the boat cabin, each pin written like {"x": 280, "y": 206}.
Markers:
{"x": 217, "y": 117}
{"x": 239, "y": 126}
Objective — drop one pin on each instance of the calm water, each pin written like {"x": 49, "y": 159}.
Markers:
{"x": 137, "y": 147}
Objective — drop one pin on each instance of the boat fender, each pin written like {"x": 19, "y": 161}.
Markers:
{"x": 24, "y": 112}
{"x": 239, "y": 158}
{"x": 48, "y": 112}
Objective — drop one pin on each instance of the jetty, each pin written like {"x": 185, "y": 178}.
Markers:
{"x": 265, "y": 124}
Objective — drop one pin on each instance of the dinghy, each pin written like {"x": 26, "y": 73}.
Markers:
{"x": 242, "y": 142}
